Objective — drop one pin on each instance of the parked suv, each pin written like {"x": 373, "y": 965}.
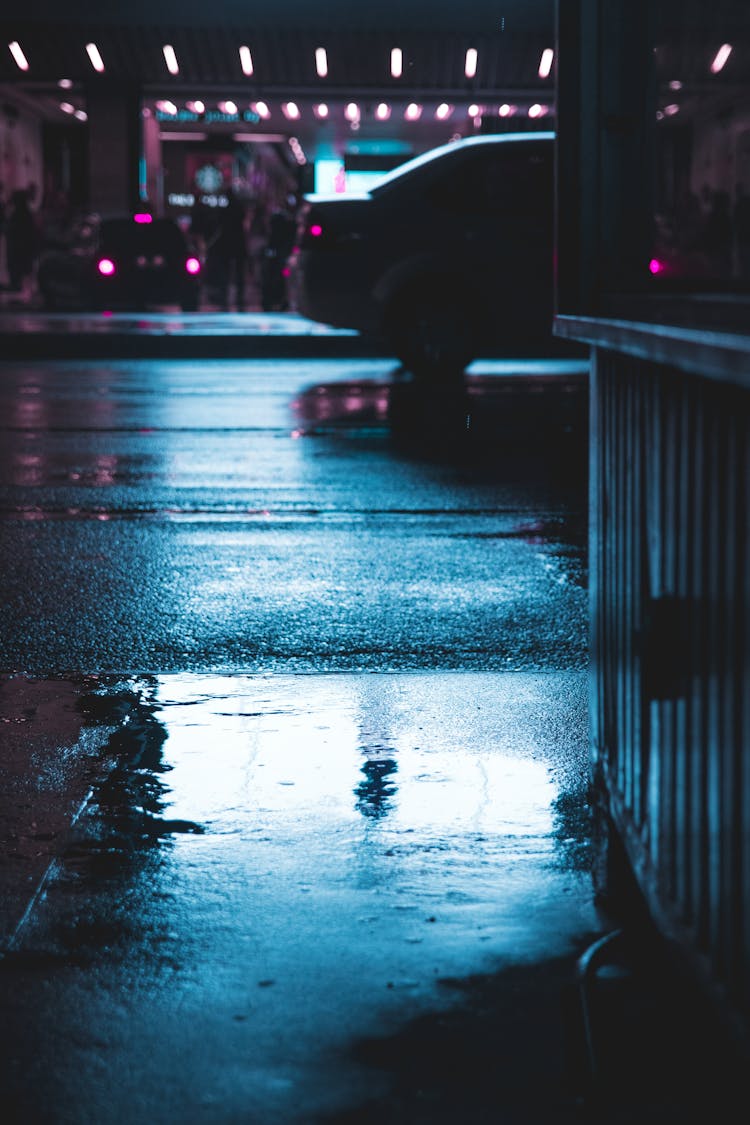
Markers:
{"x": 448, "y": 257}
{"x": 130, "y": 261}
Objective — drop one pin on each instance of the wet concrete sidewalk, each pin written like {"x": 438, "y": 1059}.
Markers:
{"x": 264, "y": 878}
{"x": 33, "y": 333}
{"x": 296, "y": 899}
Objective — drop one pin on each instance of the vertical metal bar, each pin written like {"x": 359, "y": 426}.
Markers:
{"x": 666, "y": 455}
{"x": 742, "y": 705}
{"x": 628, "y": 545}
{"x": 726, "y": 611}
{"x": 636, "y": 615}
{"x": 695, "y": 742}
{"x": 711, "y": 687}
{"x": 596, "y": 533}
{"x": 680, "y": 407}
{"x": 654, "y": 521}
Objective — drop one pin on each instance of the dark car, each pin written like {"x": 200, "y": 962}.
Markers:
{"x": 447, "y": 258}
{"x": 130, "y": 262}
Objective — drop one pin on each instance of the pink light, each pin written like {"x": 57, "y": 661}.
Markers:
{"x": 286, "y": 272}
{"x": 656, "y": 266}
{"x": 19, "y": 57}
{"x": 142, "y": 217}
{"x": 96, "y": 59}
{"x": 316, "y": 230}
{"x": 106, "y": 267}
{"x": 721, "y": 57}
{"x": 545, "y": 63}
{"x": 192, "y": 265}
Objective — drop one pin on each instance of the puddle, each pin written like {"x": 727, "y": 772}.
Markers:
{"x": 282, "y": 864}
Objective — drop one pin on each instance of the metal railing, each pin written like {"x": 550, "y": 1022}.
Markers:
{"x": 670, "y": 696}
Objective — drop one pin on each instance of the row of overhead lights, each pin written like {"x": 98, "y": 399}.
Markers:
{"x": 352, "y": 111}
{"x": 413, "y": 112}
{"x": 471, "y": 60}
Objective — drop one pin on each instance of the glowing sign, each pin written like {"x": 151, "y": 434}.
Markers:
{"x": 209, "y": 178}
{"x": 212, "y": 115}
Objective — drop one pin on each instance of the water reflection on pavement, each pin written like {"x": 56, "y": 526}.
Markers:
{"x": 277, "y": 866}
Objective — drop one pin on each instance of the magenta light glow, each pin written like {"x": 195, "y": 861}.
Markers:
{"x": 142, "y": 217}
{"x": 106, "y": 267}
{"x": 192, "y": 265}
{"x": 656, "y": 266}
{"x": 316, "y": 230}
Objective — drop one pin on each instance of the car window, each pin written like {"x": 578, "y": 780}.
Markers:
{"x": 490, "y": 181}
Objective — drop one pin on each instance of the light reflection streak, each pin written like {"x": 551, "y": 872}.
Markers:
{"x": 303, "y": 760}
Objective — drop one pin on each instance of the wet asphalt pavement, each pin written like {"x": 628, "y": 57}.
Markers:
{"x": 293, "y": 707}
{"x": 172, "y": 516}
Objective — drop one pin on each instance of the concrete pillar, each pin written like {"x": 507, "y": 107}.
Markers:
{"x": 154, "y": 172}
{"x": 606, "y": 106}
{"x": 114, "y": 146}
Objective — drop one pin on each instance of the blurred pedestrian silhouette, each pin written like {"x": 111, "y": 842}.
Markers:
{"x": 22, "y": 243}
{"x": 741, "y": 222}
{"x": 3, "y": 218}
{"x": 715, "y": 238}
{"x": 257, "y": 237}
{"x": 227, "y": 252}
{"x": 281, "y": 229}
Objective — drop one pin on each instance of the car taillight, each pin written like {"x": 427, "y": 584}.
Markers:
{"x": 106, "y": 267}
{"x": 142, "y": 217}
{"x": 192, "y": 265}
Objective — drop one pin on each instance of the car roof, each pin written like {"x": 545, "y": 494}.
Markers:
{"x": 424, "y": 159}
{"x": 432, "y": 154}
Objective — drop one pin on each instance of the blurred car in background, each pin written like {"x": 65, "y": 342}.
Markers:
{"x": 126, "y": 262}
{"x": 448, "y": 257}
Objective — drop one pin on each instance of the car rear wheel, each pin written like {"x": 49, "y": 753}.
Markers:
{"x": 432, "y": 333}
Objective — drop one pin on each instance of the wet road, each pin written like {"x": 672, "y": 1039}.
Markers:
{"x": 308, "y": 515}
{"x": 294, "y": 716}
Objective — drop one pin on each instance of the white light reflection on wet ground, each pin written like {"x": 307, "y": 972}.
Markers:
{"x": 409, "y": 818}
{"x": 367, "y": 839}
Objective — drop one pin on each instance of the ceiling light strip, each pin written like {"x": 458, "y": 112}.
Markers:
{"x": 545, "y": 63}
{"x": 95, "y": 58}
{"x": 170, "y": 58}
{"x": 721, "y": 57}
{"x": 18, "y": 56}
{"x": 246, "y": 61}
